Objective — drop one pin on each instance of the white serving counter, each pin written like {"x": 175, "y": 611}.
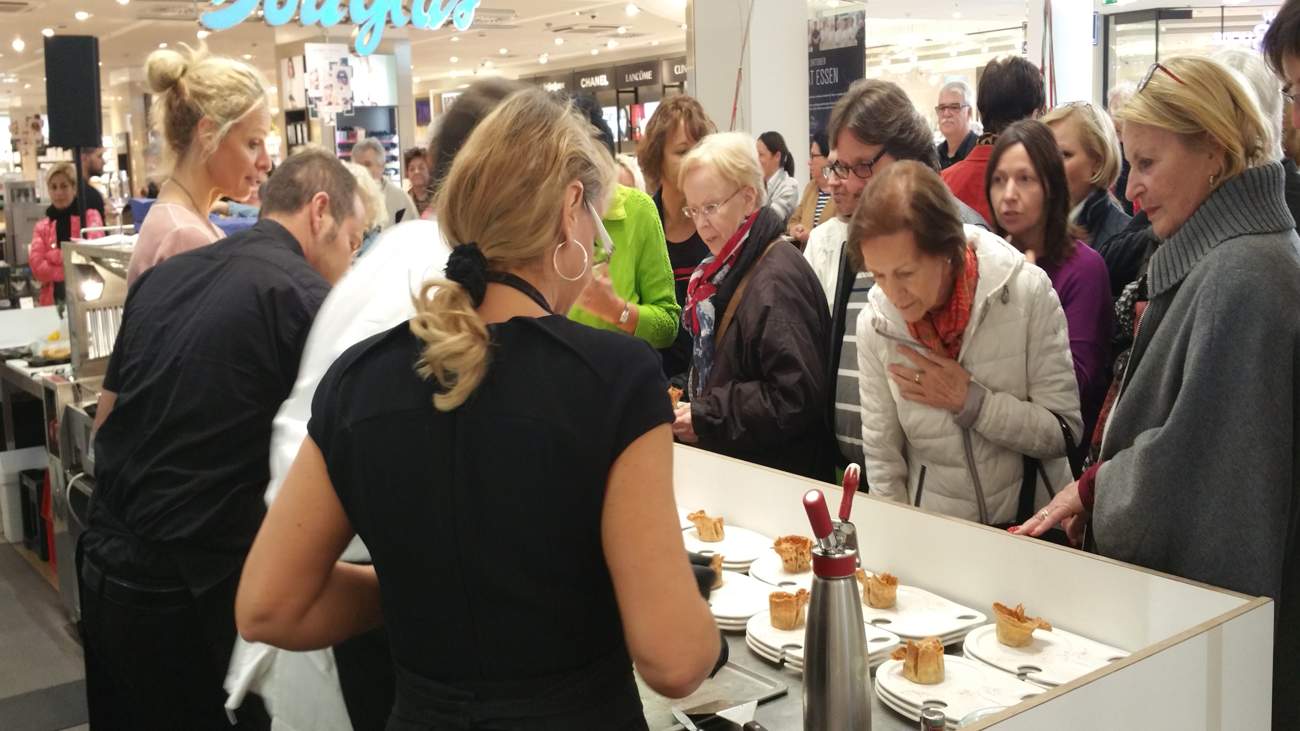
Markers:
{"x": 1201, "y": 657}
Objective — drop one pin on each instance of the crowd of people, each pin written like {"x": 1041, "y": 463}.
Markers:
{"x": 1077, "y": 323}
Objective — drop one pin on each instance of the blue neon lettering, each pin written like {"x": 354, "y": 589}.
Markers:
{"x": 371, "y": 19}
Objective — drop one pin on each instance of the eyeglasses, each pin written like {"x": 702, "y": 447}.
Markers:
{"x": 605, "y": 251}
{"x": 1288, "y": 95}
{"x": 863, "y": 170}
{"x": 950, "y": 108}
{"x": 709, "y": 209}
{"x": 1157, "y": 66}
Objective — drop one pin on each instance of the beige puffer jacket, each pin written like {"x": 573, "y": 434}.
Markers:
{"x": 1016, "y": 346}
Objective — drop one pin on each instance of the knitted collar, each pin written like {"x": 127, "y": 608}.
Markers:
{"x": 1251, "y": 203}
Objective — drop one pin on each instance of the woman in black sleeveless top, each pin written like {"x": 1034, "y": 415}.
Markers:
{"x": 509, "y": 469}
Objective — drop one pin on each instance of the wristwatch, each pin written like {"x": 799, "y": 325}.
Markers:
{"x": 627, "y": 312}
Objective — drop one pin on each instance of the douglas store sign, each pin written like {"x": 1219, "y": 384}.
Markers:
{"x": 371, "y": 18}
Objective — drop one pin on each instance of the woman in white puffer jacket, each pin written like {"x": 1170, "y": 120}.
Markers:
{"x": 964, "y": 358}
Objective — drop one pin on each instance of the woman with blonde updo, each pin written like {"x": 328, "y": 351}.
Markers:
{"x": 516, "y": 492}
{"x": 212, "y": 115}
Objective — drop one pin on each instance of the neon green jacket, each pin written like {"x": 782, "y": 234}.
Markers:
{"x": 640, "y": 270}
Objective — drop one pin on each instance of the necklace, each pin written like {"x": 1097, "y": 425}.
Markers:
{"x": 197, "y": 208}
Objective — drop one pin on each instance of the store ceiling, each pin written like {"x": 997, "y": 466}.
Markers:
{"x": 130, "y": 29}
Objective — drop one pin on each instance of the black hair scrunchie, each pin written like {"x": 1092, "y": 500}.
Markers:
{"x": 468, "y": 267}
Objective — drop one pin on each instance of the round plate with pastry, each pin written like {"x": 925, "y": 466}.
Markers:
{"x": 967, "y": 685}
{"x": 770, "y": 569}
{"x": 740, "y": 547}
{"x": 1050, "y": 659}
{"x": 918, "y": 614}
{"x": 739, "y": 598}
{"x": 789, "y": 643}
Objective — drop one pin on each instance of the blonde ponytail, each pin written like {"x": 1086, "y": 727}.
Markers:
{"x": 511, "y": 205}
{"x": 455, "y": 341}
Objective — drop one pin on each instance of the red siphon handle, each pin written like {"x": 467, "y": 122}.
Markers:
{"x": 852, "y": 478}
{"x": 820, "y": 518}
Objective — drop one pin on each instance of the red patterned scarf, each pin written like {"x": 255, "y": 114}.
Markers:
{"x": 704, "y": 282}
{"x": 942, "y": 331}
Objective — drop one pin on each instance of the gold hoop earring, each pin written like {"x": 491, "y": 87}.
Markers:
{"x": 555, "y": 261}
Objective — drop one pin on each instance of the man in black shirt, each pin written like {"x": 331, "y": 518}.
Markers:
{"x": 209, "y": 348}
{"x": 954, "y": 114}
{"x": 92, "y": 164}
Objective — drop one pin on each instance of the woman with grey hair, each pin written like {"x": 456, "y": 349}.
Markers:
{"x": 370, "y": 154}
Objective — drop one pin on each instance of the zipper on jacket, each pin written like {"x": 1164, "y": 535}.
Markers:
{"x": 920, "y": 488}
{"x": 975, "y": 476}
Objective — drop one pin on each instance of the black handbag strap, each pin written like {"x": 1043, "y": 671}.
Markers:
{"x": 1033, "y": 467}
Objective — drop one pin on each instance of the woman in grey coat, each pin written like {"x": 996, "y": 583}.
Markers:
{"x": 1198, "y": 472}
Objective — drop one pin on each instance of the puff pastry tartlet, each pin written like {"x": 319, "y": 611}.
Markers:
{"x": 787, "y": 609}
{"x": 922, "y": 661}
{"x": 715, "y": 563}
{"x": 709, "y": 529}
{"x": 675, "y": 396}
{"x": 795, "y": 553}
{"x": 879, "y": 591}
{"x": 1015, "y": 629}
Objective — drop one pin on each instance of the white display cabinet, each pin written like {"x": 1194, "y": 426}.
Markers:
{"x": 1201, "y": 657}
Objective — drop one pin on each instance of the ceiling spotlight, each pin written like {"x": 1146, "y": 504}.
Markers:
{"x": 487, "y": 64}
{"x": 247, "y": 57}
{"x": 416, "y": 79}
{"x": 611, "y": 44}
{"x": 503, "y": 51}
{"x": 123, "y": 2}
{"x": 18, "y": 44}
{"x": 595, "y": 51}
{"x": 559, "y": 40}
{"x": 455, "y": 39}
{"x": 162, "y": 45}
{"x": 544, "y": 58}
{"x": 455, "y": 59}
{"x": 47, "y": 32}
{"x": 654, "y": 43}
{"x": 81, "y": 15}
{"x": 632, "y": 10}
{"x": 622, "y": 29}
{"x": 27, "y": 86}
{"x": 202, "y": 33}
{"x": 682, "y": 26}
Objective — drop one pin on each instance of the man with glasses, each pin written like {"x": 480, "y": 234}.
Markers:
{"x": 1011, "y": 89}
{"x": 954, "y": 114}
{"x": 872, "y": 126}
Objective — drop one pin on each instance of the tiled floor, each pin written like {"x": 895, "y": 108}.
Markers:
{"x": 41, "y": 671}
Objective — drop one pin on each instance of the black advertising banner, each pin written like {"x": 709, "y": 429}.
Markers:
{"x": 675, "y": 70}
{"x": 646, "y": 73}
{"x": 555, "y": 83}
{"x": 837, "y": 57}
{"x": 593, "y": 80}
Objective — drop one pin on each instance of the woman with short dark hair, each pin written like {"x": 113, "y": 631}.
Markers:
{"x": 1030, "y": 200}
{"x": 965, "y": 370}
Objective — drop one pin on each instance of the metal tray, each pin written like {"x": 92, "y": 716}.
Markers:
{"x": 732, "y": 683}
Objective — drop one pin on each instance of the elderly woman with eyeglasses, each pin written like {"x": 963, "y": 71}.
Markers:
{"x": 758, "y": 383}
{"x": 1198, "y": 472}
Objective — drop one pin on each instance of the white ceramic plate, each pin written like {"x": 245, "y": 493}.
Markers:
{"x": 768, "y": 568}
{"x": 791, "y": 642}
{"x": 903, "y": 709}
{"x": 968, "y": 685}
{"x": 1051, "y": 659}
{"x": 918, "y": 614}
{"x": 739, "y": 598}
{"x": 739, "y": 546}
